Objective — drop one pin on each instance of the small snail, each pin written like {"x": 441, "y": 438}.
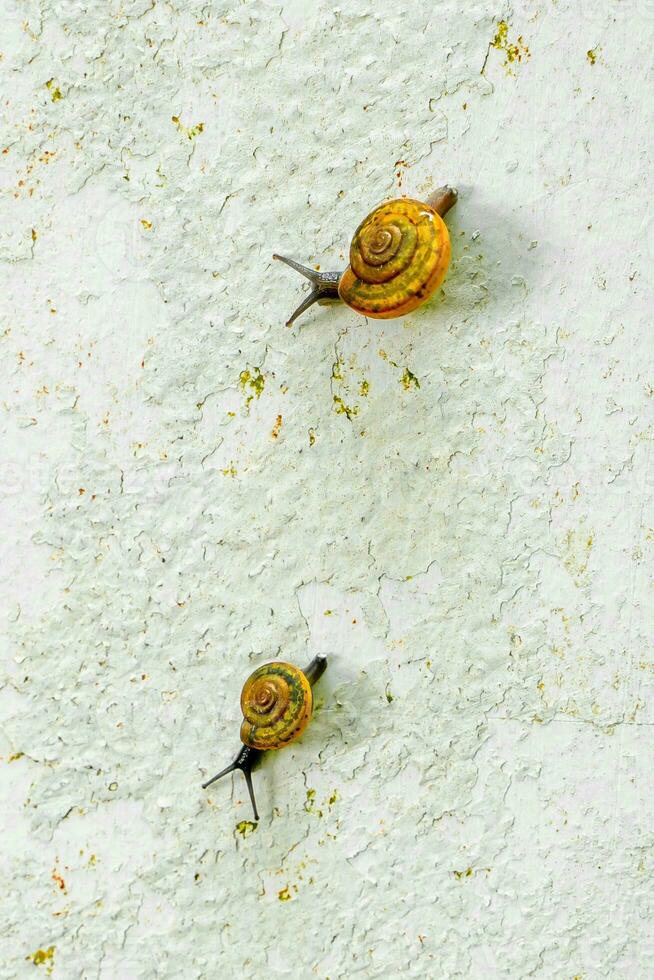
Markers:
{"x": 398, "y": 258}
{"x": 276, "y": 701}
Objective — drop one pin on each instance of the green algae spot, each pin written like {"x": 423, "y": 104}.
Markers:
{"x": 43, "y": 956}
{"x": 284, "y": 895}
{"x": 332, "y": 799}
{"x": 189, "y": 131}
{"x": 251, "y": 383}
{"x": 409, "y": 379}
{"x": 342, "y": 409}
{"x": 389, "y": 697}
{"x": 246, "y": 827}
{"x": 54, "y": 90}
{"x": 468, "y": 873}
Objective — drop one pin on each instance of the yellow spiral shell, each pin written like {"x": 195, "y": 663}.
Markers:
{"x": 276, "y": 702}
{"x": 398, "y": 258}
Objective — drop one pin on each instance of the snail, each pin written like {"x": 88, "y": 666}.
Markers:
{"x": 276, "y": 701}
{"x": 398, "y": 258}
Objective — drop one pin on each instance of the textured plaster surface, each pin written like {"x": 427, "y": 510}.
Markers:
{"x": 457, "y": 505}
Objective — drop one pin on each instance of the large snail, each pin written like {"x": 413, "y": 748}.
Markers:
{"x": 276, "y": 701}
{"x": 398, "y": 258}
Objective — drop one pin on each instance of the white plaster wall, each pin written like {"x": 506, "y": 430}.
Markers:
{"x": 474, "y": 547}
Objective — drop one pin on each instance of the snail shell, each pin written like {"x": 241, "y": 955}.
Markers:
{"x": 276, "y": 702}
{"x": 398, "y": 258}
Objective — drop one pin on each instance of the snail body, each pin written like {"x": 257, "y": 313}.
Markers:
{"x": 277, "y": 703}
{"x": 399, "y": 256}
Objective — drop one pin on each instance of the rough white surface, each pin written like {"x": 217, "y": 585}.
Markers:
{"x": 457, "y": 505}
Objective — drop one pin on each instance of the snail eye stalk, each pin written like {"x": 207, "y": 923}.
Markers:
{"x": 325, "y": 286}
{"x": 248, "y": 780}
{"x": 244, "y": 761}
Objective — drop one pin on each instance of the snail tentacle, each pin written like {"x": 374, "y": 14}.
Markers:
{"x": 314, "y": 296}
{"x": 245, "y": 760}
{"x": 325, "y": 286}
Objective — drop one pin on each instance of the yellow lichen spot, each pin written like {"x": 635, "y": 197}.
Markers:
{"x": 499, "y": 40}
{"x": 189, "y": 131}
{"x": 578, "y": 547}
{"x": 246, "y": 827}
{"x": 382, "y": 354}
{"x": 409, "y": 380}
{"x": 514, "y": 50}
{"x": 146, "y": 224}
{"x": 276, "y": 428}
{"x": 54, "y": 90}
{"x": 15, "y": 756}
{"x": 591, "y": 55}
{"x": 312, "y": 437}
{"x": 230, "y": 471}
{"x": 35, "y": 234}
{"x": 310, "y": 801}
{"x": 364, "y": 388}
{"x": 342, "y": 409}
{"x": 337, "y": 373}
{"x": 284, "y": 895}
{"x": 43, "y": 956}
{"x": 251, "y": 383}
{"x": 468, "y": 873}
{"x": 333, "y": 798}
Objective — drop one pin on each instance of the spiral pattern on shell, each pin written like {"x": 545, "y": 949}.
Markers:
{"x": 398, "y": 258}
{"x": 276, "y": 702}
